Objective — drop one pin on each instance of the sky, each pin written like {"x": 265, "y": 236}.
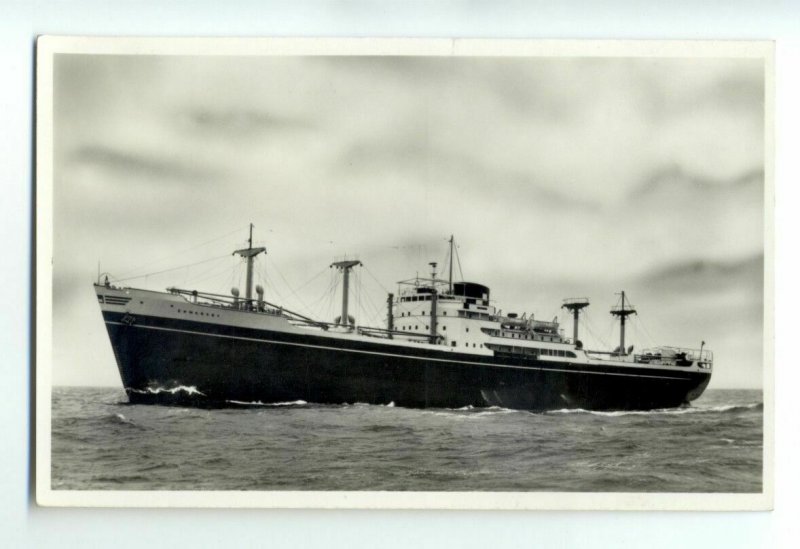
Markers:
{"x": 559, "y": 177}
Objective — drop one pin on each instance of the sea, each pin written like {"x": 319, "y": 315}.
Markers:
{"x": 100, "y": 442}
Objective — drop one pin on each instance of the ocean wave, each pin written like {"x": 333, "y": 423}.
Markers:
{"x": 267, "y": 404}
{"x": 157, "y": 466}
{"x": 758, "y": 406}
{"x": 727, "y": 408}
{"x": 391, "y": 404}
{"x": 120, "y": 419}
{"x": 470, "y": 412}
{"x": 479, "y": 409}
{"x": 190, "y": 390}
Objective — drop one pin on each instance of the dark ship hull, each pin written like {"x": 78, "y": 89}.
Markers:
{"x": 183, "y": 362}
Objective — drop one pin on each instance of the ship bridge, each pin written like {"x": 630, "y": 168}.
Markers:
{"x": 444, "y": 312}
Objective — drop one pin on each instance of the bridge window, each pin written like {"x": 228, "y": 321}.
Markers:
{"x": 444, "y": 313}
{"x": 444, "y": 328}
{"x": 454, "y": 343}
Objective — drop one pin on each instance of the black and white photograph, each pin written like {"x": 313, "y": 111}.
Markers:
{"x": 404, "y": 273}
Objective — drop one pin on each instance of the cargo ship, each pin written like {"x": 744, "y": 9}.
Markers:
{"x": 444, "y": 345}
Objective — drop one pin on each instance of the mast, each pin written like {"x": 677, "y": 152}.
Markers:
{"x": 390, "y": 316}
{"x": 434, "y": 300}
{"x": 575, "y": 305}
{"x": 249, "y": 253}
{"x": 434, "y": 327}
{"x": 622, "y": 313}
{"x": 450, "y": 279}
{"x": 345, "y": 266}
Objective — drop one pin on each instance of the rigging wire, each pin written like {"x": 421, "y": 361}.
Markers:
{"x": 659, "y": 327}
{"x": 447, "y": 258}
{"x": 173, "y": 255}
{"x": 376, "y": 279}
{"x": 171, "y": 269}
{"x": 332, "y": 293}
{"x": 639, "y": 325}
{"x": 326, "y": 293}
{"x": 371, "y": 311}
{"x": 586, "y": 324}
{"x": 312, "y": 279}
{"x": 610, "y": 335}
{"x": 458, "y": 259}
{"x": 359, "y": 291}
{"x": 205, "y": 274}
{"x": 377, "y": 311}
{"x": 269, "y": 283}
{"x": 299, "y": 299}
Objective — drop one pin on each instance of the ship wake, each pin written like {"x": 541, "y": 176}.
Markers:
{"x": 723, "y": 409}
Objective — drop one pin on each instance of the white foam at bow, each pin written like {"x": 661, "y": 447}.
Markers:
{"x": 191, "y": 390}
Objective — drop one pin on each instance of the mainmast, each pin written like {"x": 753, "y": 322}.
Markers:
{"x": 622, "y": 312}
{"x": 434, "y": 300}
{"x": 574, "y": 305}
{"x": 250, "y": 253}
{"x": 345, "y": 266}
{"x": 450, "y": 278}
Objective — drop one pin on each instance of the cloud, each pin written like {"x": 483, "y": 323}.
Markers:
{"x": 238, "y": 124}
{"x": 146, "y": 168}
{"x": 674, "y": 179}
{"x": 702, "y": 276}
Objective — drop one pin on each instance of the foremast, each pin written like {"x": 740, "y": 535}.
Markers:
{"x": 249, "y": 254}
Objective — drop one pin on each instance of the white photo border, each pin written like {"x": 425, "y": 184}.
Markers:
{"x": 49, "y": 46}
